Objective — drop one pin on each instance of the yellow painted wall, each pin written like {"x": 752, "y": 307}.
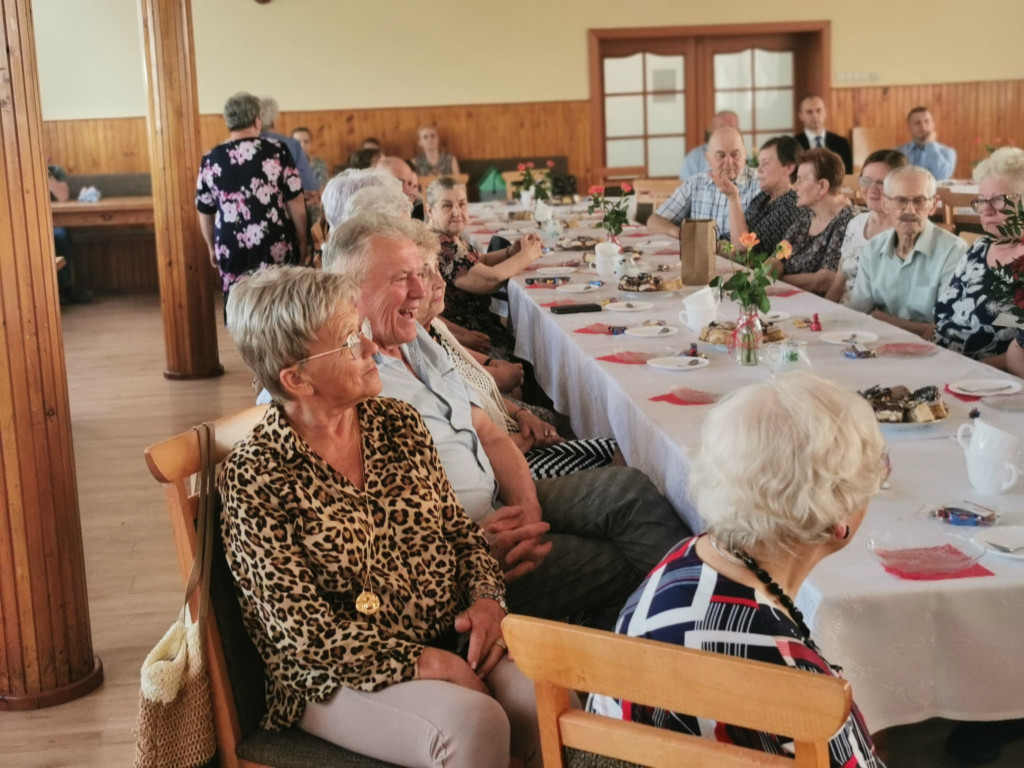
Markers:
{"x": 330, "y": 54}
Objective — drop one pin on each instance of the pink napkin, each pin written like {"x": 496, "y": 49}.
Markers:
{"x": 562, "y": 303}
{"x": 958, "y": 396}
{"x": 684, "y": 396}
{"x": 600, "y": 328}
{"x": 629, "y": 358}
{"x": 930, "y": 563}
{"x": 541, "y": 287}
{"x": 782, "y": 293}
{"x": 634, "y": 234}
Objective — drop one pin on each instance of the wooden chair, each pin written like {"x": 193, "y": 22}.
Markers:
{"x": 865, "y": 140}
{"x": 425, "y": 181}
{"x": 654, "y": 191}
{"x": 969, "y": 237}
{"x": 514, "y": 179}
{"x": 235, "y": 667}
{"x": 807, "y": 707}
{"x": 950, "y": 202}
{"x": 851, "y": 188}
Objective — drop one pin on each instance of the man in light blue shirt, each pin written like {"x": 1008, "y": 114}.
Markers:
{"x": 902, "y": 270}
{"x": 268, "y": 116}
{"x": 696, "y": 161}
{"x": 924, "y": 150}
{"x": 608, "y": 527}
{"x": 700, "y": 198}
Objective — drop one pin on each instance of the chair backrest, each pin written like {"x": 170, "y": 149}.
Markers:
{"x": 174, "y": 463}
{"x": 425, "y": 181}
{"x": 868, "y": 139}
{"x": 654, "y": 191}
{"x": 950, "y": 202}
{"x": 807, "y": 707}
{"x": 969, "y": 237}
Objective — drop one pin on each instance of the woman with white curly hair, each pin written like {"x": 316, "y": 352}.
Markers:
{"x": 965, "y": 314}
{"x": 782, "y": 479}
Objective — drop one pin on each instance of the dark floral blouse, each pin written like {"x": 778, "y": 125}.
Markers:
{"x": 470, "y": 310}
{"x": 964, "y": 313}
{"x": 244, "y": 184}
{"x": 820, "y": 251}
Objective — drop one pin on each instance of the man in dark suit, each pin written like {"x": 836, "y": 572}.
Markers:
{"x": 812, "y": 115}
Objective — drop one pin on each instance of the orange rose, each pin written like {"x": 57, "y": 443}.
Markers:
{"x": 784, "y": 250}
{"x": 749, "y": 240}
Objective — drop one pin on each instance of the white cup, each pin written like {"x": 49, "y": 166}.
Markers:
{"x": 605, "y": 255}
{"x": 697, "y": 317}
{"x": 706, "y": 297}
{"x": 987, "y": 438}
{"x": 990, "y": 474}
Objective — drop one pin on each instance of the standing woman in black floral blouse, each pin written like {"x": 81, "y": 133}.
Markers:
{"x": 361, "y": 579}
{"x": 249, "y": 198}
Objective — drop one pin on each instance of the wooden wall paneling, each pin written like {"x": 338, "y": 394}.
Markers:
{"x": 963, "y": 112}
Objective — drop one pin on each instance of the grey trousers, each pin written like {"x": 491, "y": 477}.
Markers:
{"x": 610, "y": 527}
{"x": 433, "y": 723}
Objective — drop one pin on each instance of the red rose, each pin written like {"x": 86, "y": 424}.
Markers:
{"x": 529, "y": 165}
{"x": 596, "y": 190}
{"x": 521, "y": 167}
{"x": 626, "y": 188}
{"x": 551, "y": 163}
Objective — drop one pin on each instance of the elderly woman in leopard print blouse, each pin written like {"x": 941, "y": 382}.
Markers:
{"x": 371, "y": 596}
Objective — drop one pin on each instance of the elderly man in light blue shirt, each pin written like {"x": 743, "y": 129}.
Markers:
{"x": 902, "y": 270}
{"x": 608, "y": 527}
{"x": 700, "y": 198}
{"x": 923, "y": 150}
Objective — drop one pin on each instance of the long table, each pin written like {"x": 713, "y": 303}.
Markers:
{"x": 106, "y": 212}
{"x": 912, "y": 649}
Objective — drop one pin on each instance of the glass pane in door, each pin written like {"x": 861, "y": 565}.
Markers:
{"x": 623, "y": 116}
{"x": 664, "y": 73}
{"x": 624, "y": 75}
{"x": 774, "y": 109}
{"x": 665, "y": 156}
{"x": 621, "y": 153}
{"x": 666, "y": 113}
{"x": 773, "y": 68}
{"x": 733, "y": 70}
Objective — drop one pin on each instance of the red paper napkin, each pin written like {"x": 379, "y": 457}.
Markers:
{"x": 561, "y": 303}
{"x": 687, "y": 397}
{"x": 628, "y": 358}
{"x": 540, "y": 287}
{"x": 929, "y": 563}
{"x": 958, "y": 396}
{"x": 600, "y": 328}
{"x": 783, "y": 294}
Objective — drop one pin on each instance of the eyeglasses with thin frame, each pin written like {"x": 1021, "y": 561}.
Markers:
{"x": 919, "y": 203}
{"x": 997, "y": 203}
{"x": 866, "y": 183}
{"x": 354, "y": 344}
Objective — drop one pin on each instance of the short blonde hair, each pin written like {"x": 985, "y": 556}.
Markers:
{"x": 339, "y": 189}
{"x": 1006, "y": 163}
{"x": 781, "y": 463}
{"x": 275, "y": 315}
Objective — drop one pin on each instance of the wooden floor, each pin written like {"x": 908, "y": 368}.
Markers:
{"x": 120, "y": 403}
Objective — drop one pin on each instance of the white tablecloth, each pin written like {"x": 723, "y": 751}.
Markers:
{"x": 912, "y": 649}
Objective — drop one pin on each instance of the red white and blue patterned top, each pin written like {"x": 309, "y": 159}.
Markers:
{"x": 686, "y": 602}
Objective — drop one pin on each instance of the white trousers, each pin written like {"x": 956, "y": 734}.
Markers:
{"x": 433, "y": 723}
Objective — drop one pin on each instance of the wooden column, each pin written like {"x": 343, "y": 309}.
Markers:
{"x": 183, "y": 264}
{"x": 46, "y": 654}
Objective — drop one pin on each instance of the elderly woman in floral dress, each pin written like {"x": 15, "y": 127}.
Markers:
{"x": 965, "y": 313}
{"x": 249, "y": 198}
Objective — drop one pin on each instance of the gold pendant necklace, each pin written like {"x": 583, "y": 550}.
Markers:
{"x": 368, "y": 602}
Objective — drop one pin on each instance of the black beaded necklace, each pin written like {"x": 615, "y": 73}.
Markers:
{"x": 797, "y": 615}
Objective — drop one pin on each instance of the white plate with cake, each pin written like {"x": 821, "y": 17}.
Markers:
{"x": 577, "y": 288}
{"x": 652, "y": 331}
{"x": 898, "y": 408}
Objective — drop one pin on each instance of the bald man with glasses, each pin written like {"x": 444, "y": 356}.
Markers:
{"x": 903, "y": 269}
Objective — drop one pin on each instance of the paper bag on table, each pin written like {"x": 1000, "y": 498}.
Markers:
{"x": 697, "y": 244}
